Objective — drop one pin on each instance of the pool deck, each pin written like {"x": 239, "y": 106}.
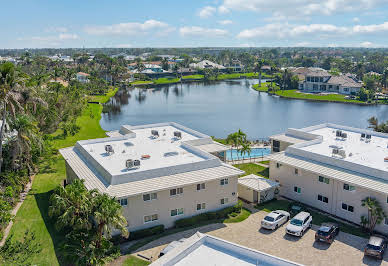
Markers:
{"x": 252, "y": 160}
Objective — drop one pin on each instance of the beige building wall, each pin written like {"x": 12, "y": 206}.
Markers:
{"x": 311, "y": 188}
{"x": 245, "y": 193}
{"x": 136, "y": 209}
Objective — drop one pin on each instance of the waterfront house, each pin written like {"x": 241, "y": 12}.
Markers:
{"x": 332, "y": 168}
{"x": 319, "y": 80}
{"x": 158, "y": 173}
{"x": 235, "y": 66}
{"x": 82, "y": 77}
{"x": 206, "y": 64}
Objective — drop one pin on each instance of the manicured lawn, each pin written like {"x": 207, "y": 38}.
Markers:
{"x": 222, "y": 141}
{"x": 134, "y": 261}
{"x": 33, "y": 214}
{"x": 141, "y": 82}
{"x": 165, "y": 80}
{"x": 265, "y": 162}
{"x": 193, "y": 77}
{"x": 318, "y": 218}
{"x": 307, "y": 96}
{"x": 251, "y": 168}
{"x": 263, "y": 87}
{"x": 228, "y": 76}
{"x": 244, "y": 214}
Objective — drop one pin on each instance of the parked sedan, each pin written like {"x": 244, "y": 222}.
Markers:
{"x": 275, "y": 219}
{"x": 327, "y": 232}
{"x": 376, "y": 247}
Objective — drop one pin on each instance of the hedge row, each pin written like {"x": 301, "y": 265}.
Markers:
{"x": 208, "y": 216}
{"x": 146, "y": 232}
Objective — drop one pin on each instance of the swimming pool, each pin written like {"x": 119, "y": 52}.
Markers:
{"x": 255, "y": 153}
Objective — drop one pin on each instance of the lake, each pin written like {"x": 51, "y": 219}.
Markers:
{"x": 219, "y": 108}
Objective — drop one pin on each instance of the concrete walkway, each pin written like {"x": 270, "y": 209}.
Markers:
{"x": 346, "y": 250}
{"x": 14, "y": 211}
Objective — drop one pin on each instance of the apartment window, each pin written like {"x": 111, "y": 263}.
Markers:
{"x": 278, "y": 165}
{"x": 201, "y": 206}
{"x": 323, "y": 179}
{"x": 297, "y": 190}
{"x": 151, "y": 218}
{"x": 296, "y": 171}
{"x": 323, "y": 199}
{"x": 347, "y": 207}
{"x": 275, "y": 145}
{"x": 320, "y": 79}
{"x": 349, "y": 187}
{"x": 176, "y": 212}
{"x": 201, "y": 186}
{"x": 224, "y": 201}
{"x": 224, "y": 181}
{"x": 176, "y": 191}
{"x": 123, "y": 202}
{"x": 151, "y": 196}
{"x": 386, "y": 221}
{"x": 346, "y": 89}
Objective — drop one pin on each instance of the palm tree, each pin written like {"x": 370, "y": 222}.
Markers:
{"x": 71, "y": 206}
{"x": 384, "y": 78}
{"x": 375, "y": 213}
{"x": 260, "y": 64}
{"x": 9, "y": 97}
{"x": 246, "y": 149}
{"x": 27, "y": 136}
{"x": 108, "y": 215}
{"x": 232, "y": 140}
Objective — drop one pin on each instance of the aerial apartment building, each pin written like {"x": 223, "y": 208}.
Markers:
{"x": 159, "y": 172}
{"x": 332, "y": 168}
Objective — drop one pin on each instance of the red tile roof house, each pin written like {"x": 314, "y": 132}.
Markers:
{"x": 83, "y": 77}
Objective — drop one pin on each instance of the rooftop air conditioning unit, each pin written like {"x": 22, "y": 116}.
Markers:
{"x": 362, "y": 135}
{"x": 109, "y": 149}
{"x": 368, "y": 136}
{"x": 155, "y": 133}
{"x": 338, "y": 133}
{"x": 178, "y": 134}
{"x": 136, "y": 163}
{"x": 344, "y": 135}
{"x": 129, "y": 163}
{"x": 335, "y": 151}
{"x": 342, "y": 153}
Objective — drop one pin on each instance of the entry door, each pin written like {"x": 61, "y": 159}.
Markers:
{"x": 255, "y": 196}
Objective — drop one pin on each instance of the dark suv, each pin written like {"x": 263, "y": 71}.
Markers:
{"x": 376, "y": 247}
{"x": 327, "y": 232}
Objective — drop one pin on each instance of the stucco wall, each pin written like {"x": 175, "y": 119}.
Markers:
{"x": 311, "y": 187}
{"x": 245, "y": 193}
{"x": 136, "y": 209}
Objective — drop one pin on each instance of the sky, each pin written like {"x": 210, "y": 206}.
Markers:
{"x": 195, "y": 23}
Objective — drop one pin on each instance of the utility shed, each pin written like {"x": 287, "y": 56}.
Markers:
{"x": 253, "y": 188}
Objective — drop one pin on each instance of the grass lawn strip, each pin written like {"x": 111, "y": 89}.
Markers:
{"x": 308, "y": 96}
{"x": 33, "y": 214}
{"x": 134, "y": 261}
{"x": 252, "y": 168}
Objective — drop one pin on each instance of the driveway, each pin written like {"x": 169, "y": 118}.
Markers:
{"x": 346, "y": 250}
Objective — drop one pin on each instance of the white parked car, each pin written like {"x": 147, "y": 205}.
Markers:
{"x": 275, "y": 219}
{"x": 299, "y": 224}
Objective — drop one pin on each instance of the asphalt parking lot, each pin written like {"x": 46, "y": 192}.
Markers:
{"x": 346, "y": 250}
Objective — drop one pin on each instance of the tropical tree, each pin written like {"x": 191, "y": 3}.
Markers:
{"x": 28, "y": 137}
{"x": 384, "y": 78}
{"x": 165, "y": 63}
{"x": 107, "y": 214}
{"x": 236, "y": 140}
{"x": 9, "y": 98}
{"x": 259, "y": 65}
{"x": 246, "y": 149}
{"x": 71, "y": 206}
{"x": 376, "y": 126}
{"x": 16, "y": 252}
{"x": 139, "y": 65}
{"x": 232, "y": 140}
{"x": 375, "y": 214}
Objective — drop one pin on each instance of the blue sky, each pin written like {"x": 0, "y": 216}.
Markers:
{"x": 173, "y": 23}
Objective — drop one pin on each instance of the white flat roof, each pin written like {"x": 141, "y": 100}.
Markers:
{"x": 202, "y": 249}
{"x": 357, "y": 150}
{"x": 144, "y": 144}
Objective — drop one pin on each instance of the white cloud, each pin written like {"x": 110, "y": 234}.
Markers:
{"x": 207, "y": 11}
{"x": 301, "y": 8}
{"x": 130, "y": 28}
{"x": 57, "y": 29}
{"x": 67, "y": 36}
{"x": 366, "y": 44}
{"x": 320, "y": 31}
{"x": 356, "y": 19}
{"x": 50, "y": 40}
{"x": 124, "y": 45}
{"x": 202, "y": 32}
{"x": 303, "y": 44}
{"x": 225, "y": 22}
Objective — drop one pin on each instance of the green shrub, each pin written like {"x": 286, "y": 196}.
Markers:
{"x": 146, "y": 232}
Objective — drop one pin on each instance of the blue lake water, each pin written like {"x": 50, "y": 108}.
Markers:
{"x": 219, "y": 108}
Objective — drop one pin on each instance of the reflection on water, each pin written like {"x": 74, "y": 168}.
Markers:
{"x": 218, "y": 108}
